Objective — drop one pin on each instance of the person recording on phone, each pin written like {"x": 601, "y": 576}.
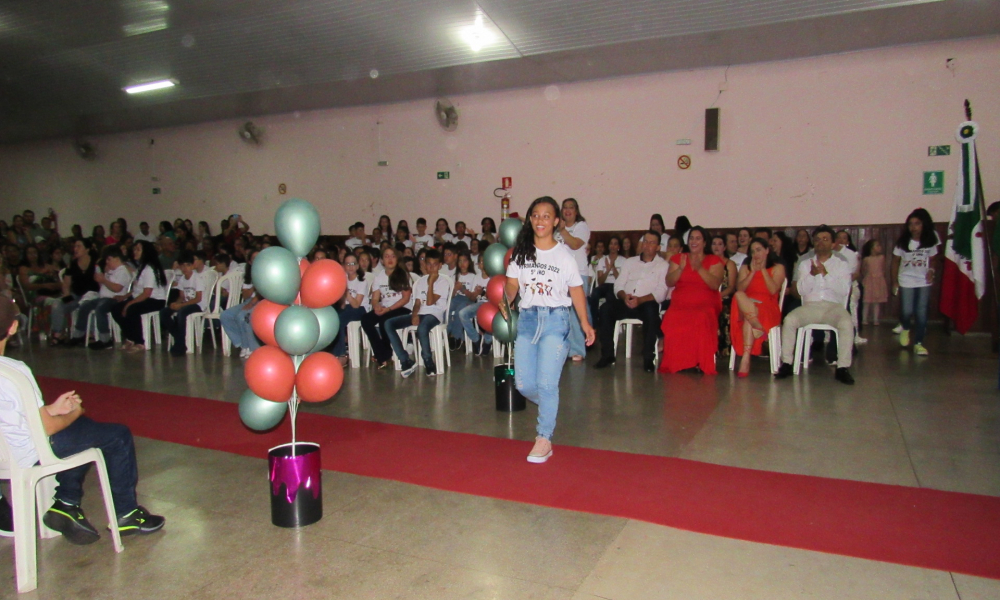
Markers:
{"x": 824, "y": 282}
{"x": 235, "y": 228}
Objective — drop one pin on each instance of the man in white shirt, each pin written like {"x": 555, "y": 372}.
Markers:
{"x": 69, "y": 432}
{"x": 192, "y": 299}
{"x": 639, "y": 289}
{"x": 144, "y": 234}
{"x": 824, "y": 283}
{"x": 430, "y": 302}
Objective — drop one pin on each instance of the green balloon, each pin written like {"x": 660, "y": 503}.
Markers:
{"x": 276, "y": 275}
{"x": 509, "y": 229}
{"x": 493, "y": 259}
{"x": 297, "y": 224}
{"x": 260, "y": 414}
{"x": 329, "y": 326}
{"x": 503, "y": 330}
{"x": 296, "y": 330}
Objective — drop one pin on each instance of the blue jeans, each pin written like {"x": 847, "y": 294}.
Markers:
{"x": 427, "y": 322}
{"x": 540, "y": 351}
{"x": 115, "y": 442}
{"x": 458, "y": 303}
{"x": 236, "y": 323}
{"x": 914, "y": 303}
{"x": 578, "y": 343}
{"x": 100, "y": 307}
{"x": 348, "y": 314}
{"x": 174, "y": 323}
{"x": 61, "y": 312}
{"x": 467, "y": 319}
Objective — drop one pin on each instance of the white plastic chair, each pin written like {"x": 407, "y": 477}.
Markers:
{"x": 773, "y": 338}
{"x": 30, "y": 503}
{"x": 151, "y": 320}
{"x": 626, "y": 326}
{"x": 803, "y": 347}
{"x": 438, "y": 338}
{"x": 357, "y": 342}
{"x": 194, "y": 325}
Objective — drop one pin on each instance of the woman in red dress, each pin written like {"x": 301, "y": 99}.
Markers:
{"x": 691, "y": 324}
{"x": 755, "y": 308}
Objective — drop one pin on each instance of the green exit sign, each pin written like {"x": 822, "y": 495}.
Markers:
{"x": 938, "y": 150}
{"x": 444, "y": 175}
{"x": 933, "y": 182}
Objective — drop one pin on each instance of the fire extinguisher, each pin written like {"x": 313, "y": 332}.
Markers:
{"x": 505, "y": 207}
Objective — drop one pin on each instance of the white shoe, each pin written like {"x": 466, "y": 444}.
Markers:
{"x": 245, "y": 353}
{"x": 541, "y": 452}
{"x": 858, "y": 340}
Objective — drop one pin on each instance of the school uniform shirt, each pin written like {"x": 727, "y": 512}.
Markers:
{"x": 407, "y": 243}
{"x": 914, "y": 263}
{"x": 546, "y": 280}
{"x": 440, "y": 306}
{"x": 362, "y": 289}
{"x": 465, "y": 238}
{"x": 482, "y": 281}
{"x": 640, "y": 278}
{"x": 145, "y": 237}
{"x": 388, "y": 296}
{"x": 13, "y": 418}
{"x": 378, "y": 269}
{"x": 189, "y": 288}
{"x": 580, "y": 230}
{"x": 445, "y": 237}
{"x": 466, "y": 282}
{"x": 353, "y": 242}
{"x": 121, "y": 276}
{"x": 602, "y": 266}
{"x": 449, "y": 271}
{"x": 147, "y": 279}
{"x": 423, "y": 241}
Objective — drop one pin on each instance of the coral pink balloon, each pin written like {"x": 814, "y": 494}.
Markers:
{"x": 323, "y": 283}
{"x": 485, "y": 314}
{"x": 262, "y": 320}
{"x": 319, "y": 378}
{"x": 270, "y": 373}
{"x": 494, "y": 289}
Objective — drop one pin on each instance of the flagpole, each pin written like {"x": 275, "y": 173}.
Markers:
{"x": 982, "y": 216}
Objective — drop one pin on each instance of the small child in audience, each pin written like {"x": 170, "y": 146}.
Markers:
{"x": 430, "y": 301}
{"x": 876, "y": 290}
{"x": 192, "y": 299}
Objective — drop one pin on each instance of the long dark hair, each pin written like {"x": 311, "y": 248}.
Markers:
{"x": 387, "y": 233}
{"x": 704, "y": 236}
{"x": 850, "y": 240}
{"x": 149, "y": 259}
{"x": 866, "y": 250}
{"x": 772, "y": 258}
{"x": 658, "y": 218}
{"x": 928, "y": 238}
{"x": 493, "y": 225}
{"x": 682, "y": 225}
{"x": 399, "y": 279}
{"x": 719, "y": 236}
{"x": 524, "y": 247}
{"x": 576, "y": 205}
{"x": 789, "y": 255}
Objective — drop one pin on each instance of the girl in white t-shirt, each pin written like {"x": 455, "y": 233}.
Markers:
{"x": 149, "y": 294}
{"x": 467, "y": 316}
{"x": 546, "y": 276}
{"x": 355, "y": 304}
{"x": 913, "y": 275}
{"x": 390, "y": 296}
{"x": 464, "y": 294}
{"x": 442, "y": 233}
{"x": 606, "y": 269}
{"x": 575, "y": 233}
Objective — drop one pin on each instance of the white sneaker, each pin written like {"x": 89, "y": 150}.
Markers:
{"x": 245, "y": 353}
{"x": 409, "y": 371}
{"x": 919, "y": 349}
{"x": 897, "y": 329}
{"x": 904, "y": 338}
{"x": 858, "y": 340}
{"x": 541, "y": 452}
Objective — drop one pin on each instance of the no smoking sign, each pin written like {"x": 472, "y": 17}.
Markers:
{"x": 684, "y": 162}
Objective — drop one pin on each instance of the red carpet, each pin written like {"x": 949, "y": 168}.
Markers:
{"x": 926, "y": 528}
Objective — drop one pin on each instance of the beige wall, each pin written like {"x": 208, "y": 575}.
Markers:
{"x": 839, "y": 138}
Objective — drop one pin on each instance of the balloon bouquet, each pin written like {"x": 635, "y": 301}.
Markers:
{"x": 295, "y": 320}
{"x": 491, "y": 318}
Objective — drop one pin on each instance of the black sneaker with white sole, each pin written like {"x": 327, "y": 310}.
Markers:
{"x": 71, "y": 522}
{"x": 140, "y": 522}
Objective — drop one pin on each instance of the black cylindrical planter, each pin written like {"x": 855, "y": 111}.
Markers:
{"x": 508, "y": 398}
{"x": 296, "y": 490}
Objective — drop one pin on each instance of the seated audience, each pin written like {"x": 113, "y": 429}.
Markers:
{"x": 78, "y": 281}
{"x": 467, "y": 316}
{"x": 149, "y": 294}
{"x": 430, "y": 301}
{"x": 442, "y": 233}
{"x": 391, "y": 291}
{"x": 690, "y": 325}
{"x": 727, "y": 290}
{"x": 607, "y": 269}
{"x": 40, "y": 281}
{"x": 354, "y": 305}
{"x": 192, "y": 299}
{"x": 236, "y": 320}
{"x": 114, "y": 280}
{"x": 422, "y": 239}
{"x": 466, "y": 293}
{"x": 755, "y": 304}
{"x": 488, "y": 230}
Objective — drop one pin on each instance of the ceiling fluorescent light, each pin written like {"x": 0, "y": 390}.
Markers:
{"x": 152, "y": 85}
{"x": 478, "y": 35}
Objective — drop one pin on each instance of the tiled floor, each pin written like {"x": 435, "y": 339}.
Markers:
{"x": 931, "y": 422}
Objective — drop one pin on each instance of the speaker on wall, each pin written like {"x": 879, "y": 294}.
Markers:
{"x": 711, "y": 129}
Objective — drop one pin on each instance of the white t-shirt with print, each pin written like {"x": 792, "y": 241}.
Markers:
{"x": 440, "y": 306}
{"x": 189, "y": 288}
{"x": 580, "y": 230}
{"x": 147, "y": 279}
{"x": 387, "y": 295}
{"x": 602, "y": 266}
{"x": 362, "y": 289}
{"x": 914, "y": 263}
{"x": 466, "y": 282}
{"x": 481, "y": 281}
{"x": 423, "y": 241}
{"x": 121, "y": 276}
{"x": 546, "y": 281}
{"x": 14, "y": 419}
{"x": 465, "y": 238}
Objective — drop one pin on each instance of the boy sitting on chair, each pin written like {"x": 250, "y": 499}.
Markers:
{"x": 69, "y": 432}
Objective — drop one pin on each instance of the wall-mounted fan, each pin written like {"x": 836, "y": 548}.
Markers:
{"x": 250, "y": 133}
{"x": 447, "y": 114}
{"x": 85, "y": 149}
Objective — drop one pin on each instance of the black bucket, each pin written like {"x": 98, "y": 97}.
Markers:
{"x": 508, "y": 398}
{"x": 296, "y": 484}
